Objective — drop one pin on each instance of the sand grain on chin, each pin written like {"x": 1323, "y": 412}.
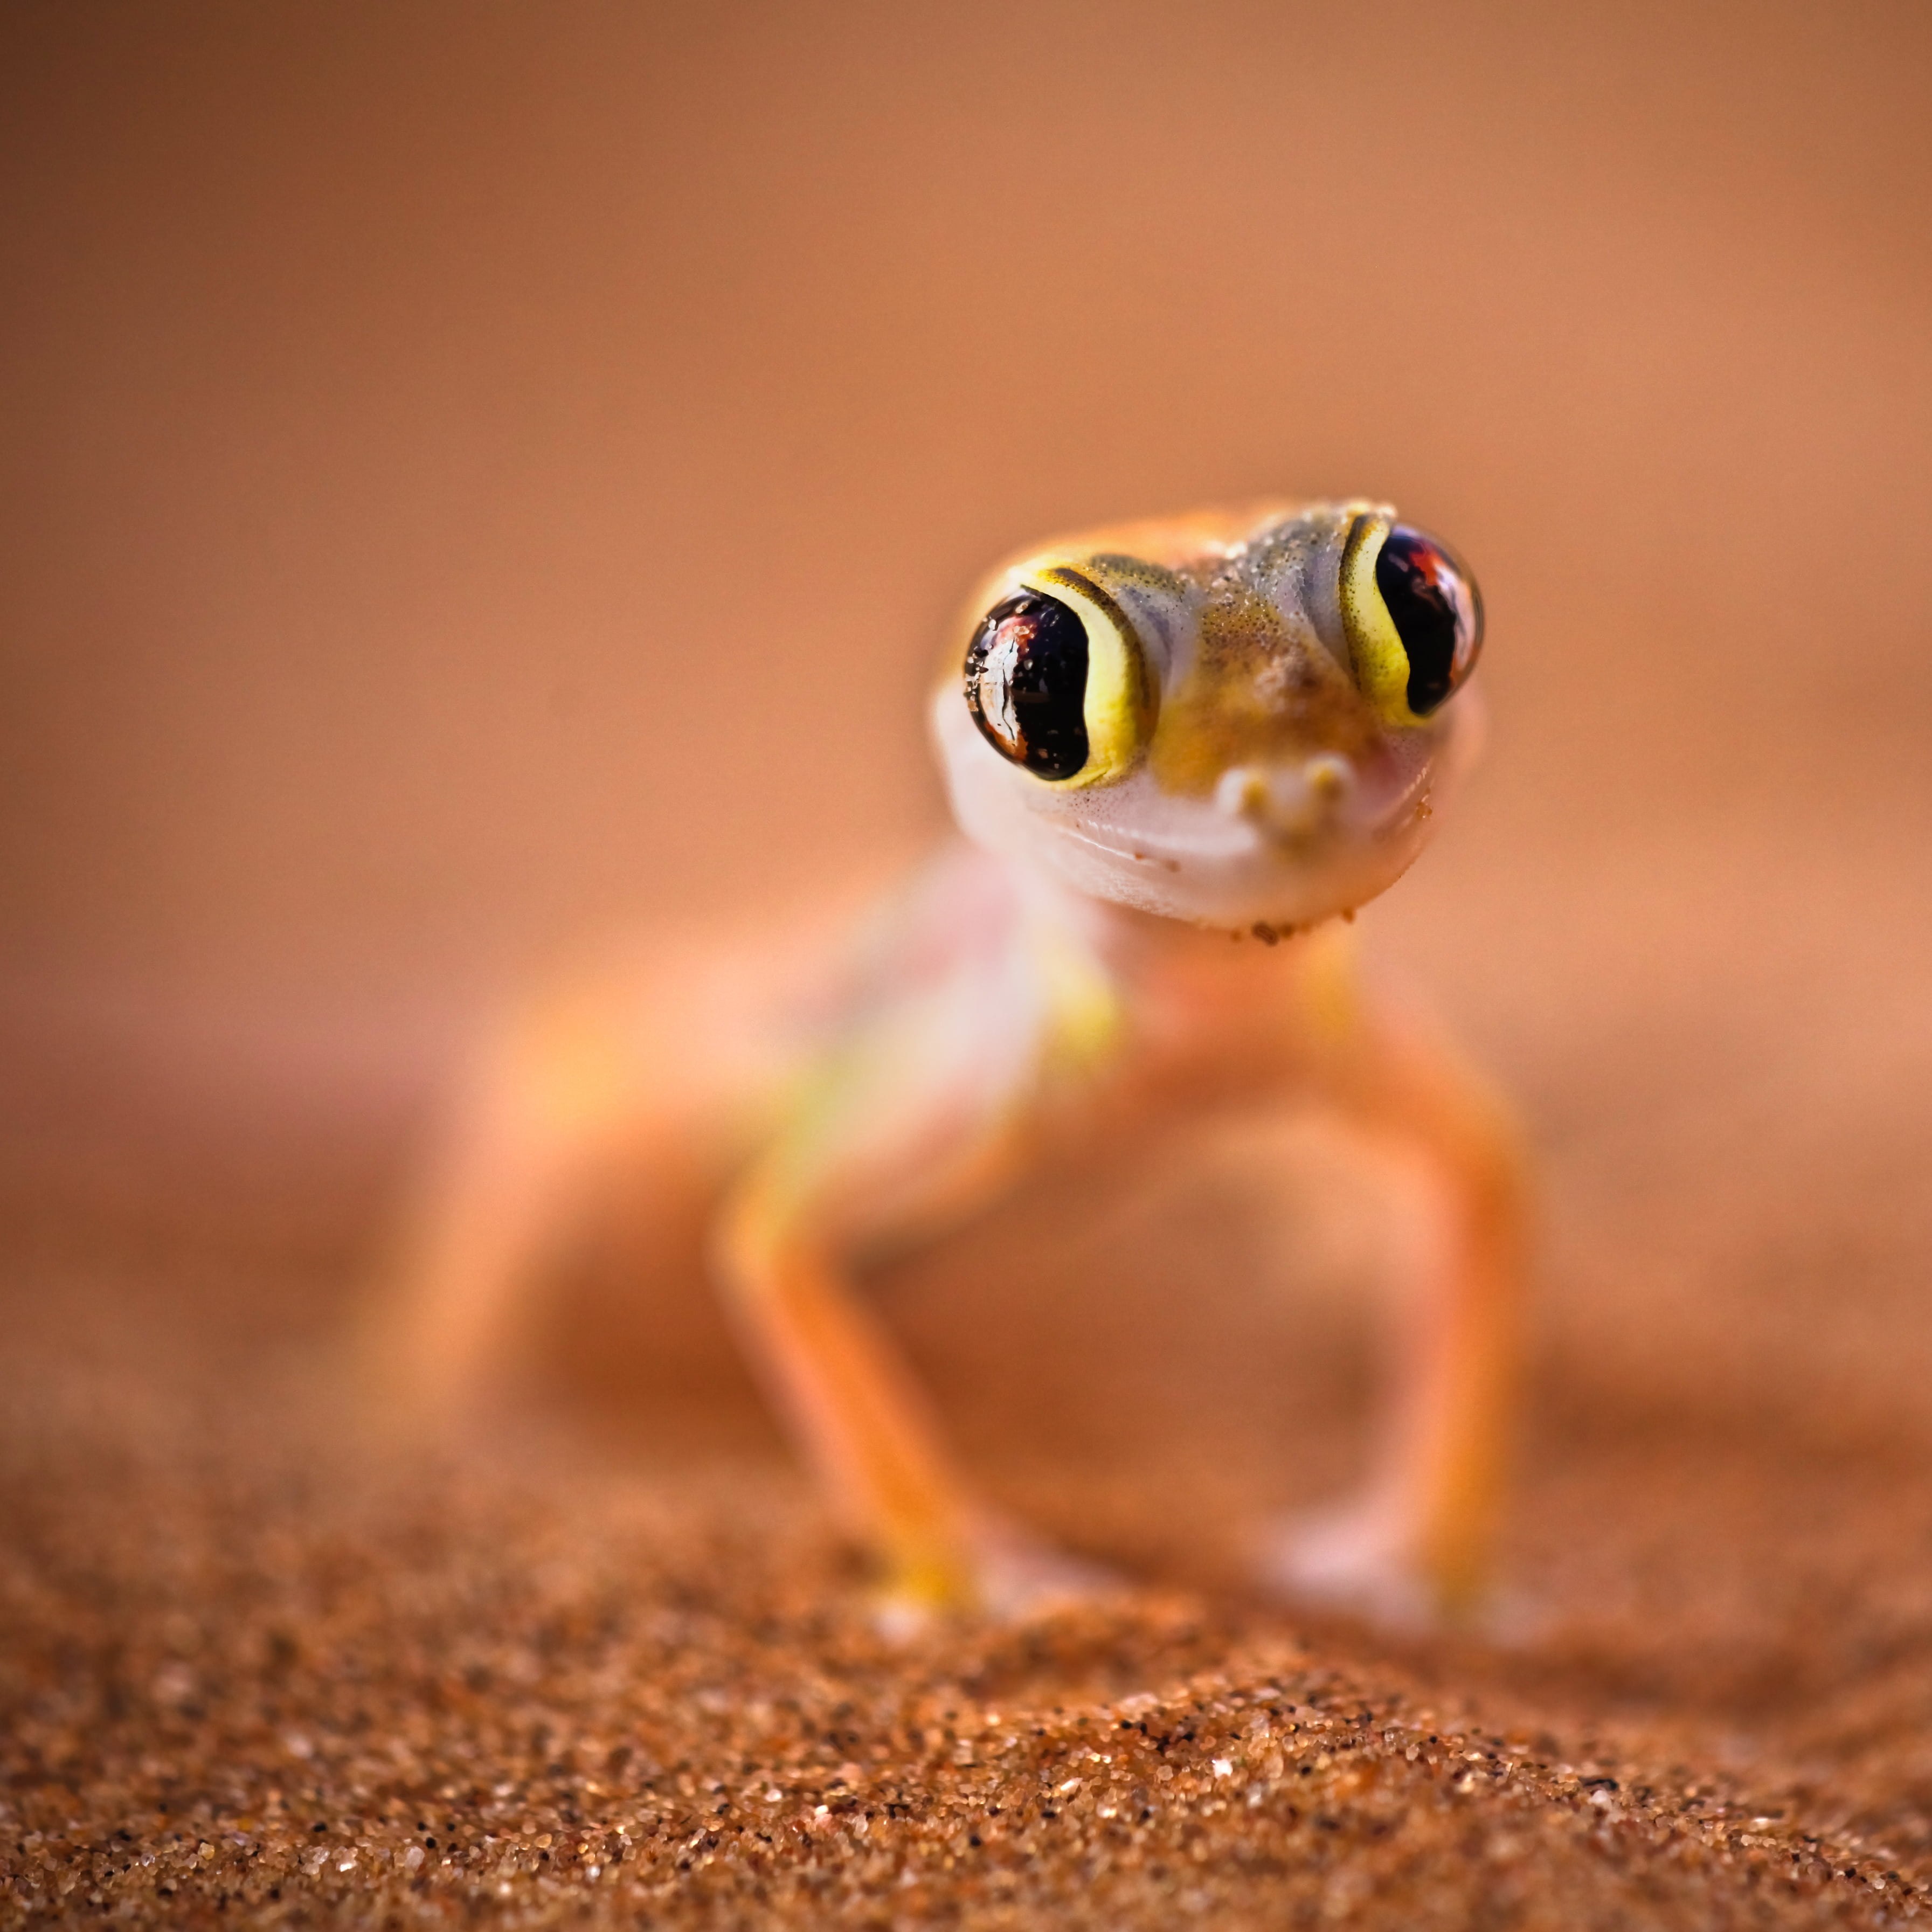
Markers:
{"x": 254, "y": 1672}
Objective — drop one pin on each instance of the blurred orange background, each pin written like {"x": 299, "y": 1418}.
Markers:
{"x": 480, "y": 477}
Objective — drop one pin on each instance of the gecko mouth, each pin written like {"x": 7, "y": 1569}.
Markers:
{"x": 1297, "y": 813}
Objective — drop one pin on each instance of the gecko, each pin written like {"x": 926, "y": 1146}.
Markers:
{"x": 1180, "y": 753}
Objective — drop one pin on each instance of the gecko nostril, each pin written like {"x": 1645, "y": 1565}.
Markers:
{"x": 1330, "y": 777}
{"x": 1242, "y": 792}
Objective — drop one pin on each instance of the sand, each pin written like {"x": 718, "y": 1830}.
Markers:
{"x": 262, "y": 1666}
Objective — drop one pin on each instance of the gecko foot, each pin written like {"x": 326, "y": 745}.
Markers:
{"x": 1357, "y": 1557}
{"x": 1022, "y": 1576}
{"x": 1014, "y": 1576}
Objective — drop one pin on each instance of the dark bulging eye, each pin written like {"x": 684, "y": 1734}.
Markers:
{"x": 1026, "y": 684}
{"x": 1437, "y": 612}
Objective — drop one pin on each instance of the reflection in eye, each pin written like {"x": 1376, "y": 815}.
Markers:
{"x": 1437, "y": 613}
{"x": 1026, "y": 684}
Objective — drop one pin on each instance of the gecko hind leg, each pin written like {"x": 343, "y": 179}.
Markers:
{"x": 563, "y": 1100}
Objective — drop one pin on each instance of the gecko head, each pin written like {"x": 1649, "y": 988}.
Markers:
{"x": 1234, "y": 719}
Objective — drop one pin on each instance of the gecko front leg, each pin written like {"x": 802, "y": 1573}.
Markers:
{"x": 927, "y": 1113}
{"x": 1418, "y": 1543}
{"x": 861, "y": 1421}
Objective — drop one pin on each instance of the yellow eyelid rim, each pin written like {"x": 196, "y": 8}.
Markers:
{"x": 1120, "y": 703}
{"x": 1382, "y": 665}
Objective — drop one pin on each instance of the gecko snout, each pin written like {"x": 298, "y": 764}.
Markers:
{"x": 1289, "y": 803}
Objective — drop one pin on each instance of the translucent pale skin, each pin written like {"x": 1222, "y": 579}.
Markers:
{"x": 1093, "y": 959}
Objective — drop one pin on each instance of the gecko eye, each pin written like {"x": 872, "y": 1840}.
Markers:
{"x": 1437, "y": 612}
{"x": 1026, "y": 684}
{"x": 1055, "y": 681}
{"x": 1414, "y": 616}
